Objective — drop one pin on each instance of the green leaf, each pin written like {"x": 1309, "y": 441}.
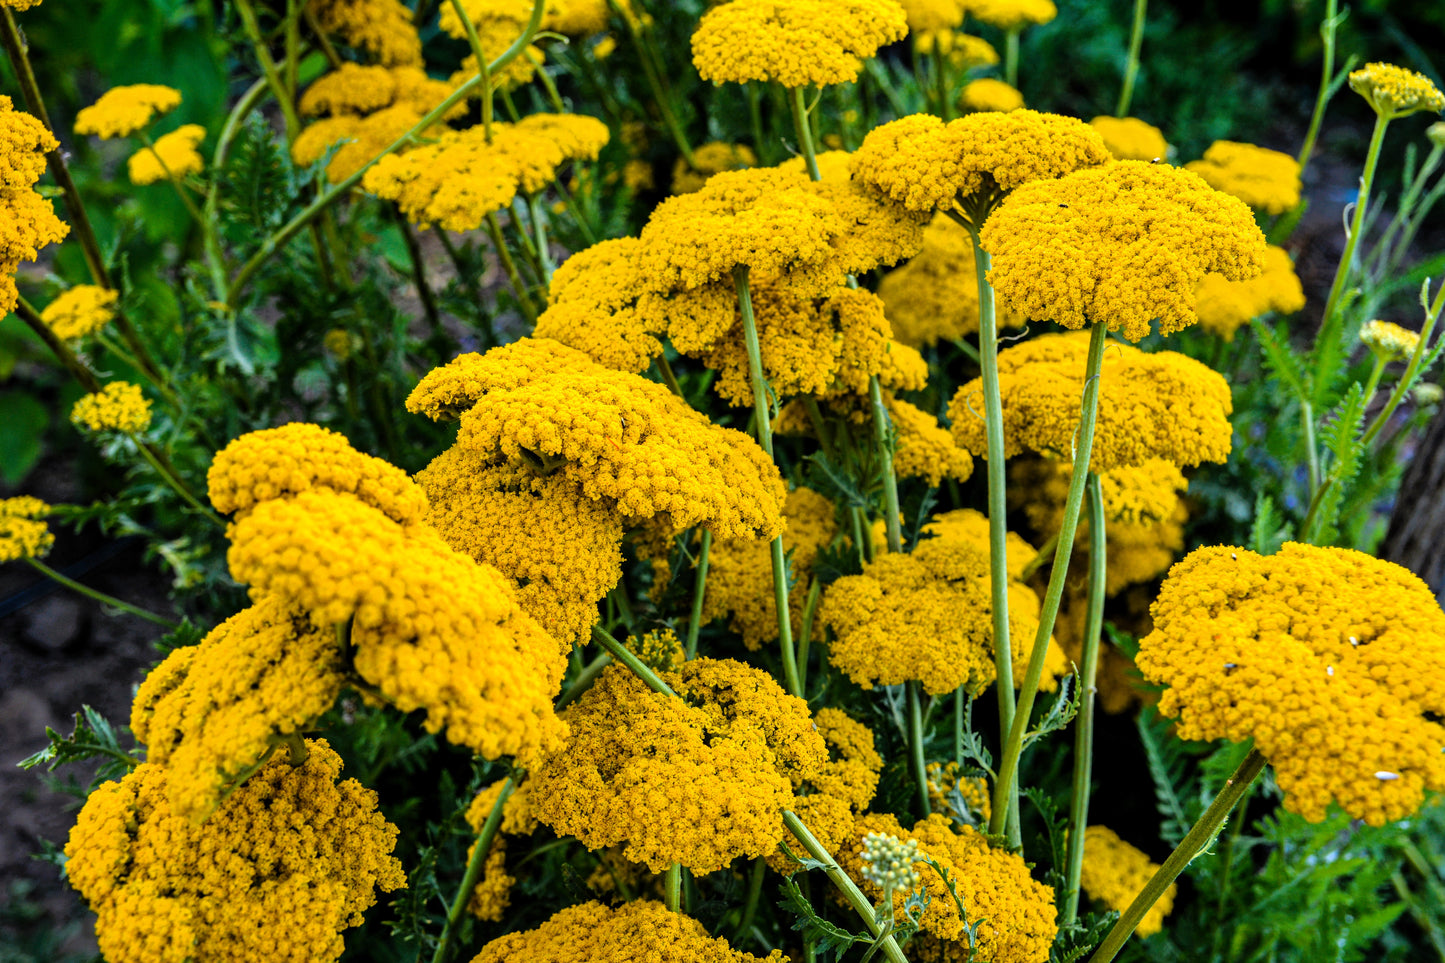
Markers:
{"x": 1270, "y": 529}
{"x": 1167, "y": 767}
{"x": 23, "y": 421}
{"x": 825, "y": 936}
{"x": 92, "y": 737}
{"x": 1282, "y": 359}
{"x": 1341, "y": 438}
{"x": 1060, "y": 714}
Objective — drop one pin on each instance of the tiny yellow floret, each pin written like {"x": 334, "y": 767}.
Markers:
{"x": 174, "y": 156}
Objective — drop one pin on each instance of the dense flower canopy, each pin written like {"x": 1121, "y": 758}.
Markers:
{"x": 1129, "y": 138}
{"x": 23, "y": 533}
{"x": 119, "y": 406}
{"x": 1394, "y": 91}
{"x": 1262, "y": 178}
{"x": 174, "y": 155}
{"x": 1115, "y": 872}
{"x": 1225, "y": 306}
{"x": 122, "y": 111}
{"x": 79, "y": 311}
{"x": 1331, "y": 660}
{"x": 793, "y": 42}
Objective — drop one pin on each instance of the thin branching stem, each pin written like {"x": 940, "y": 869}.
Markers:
{"x": 100, "y": 596}
{"x": 699, "y": 592}
{"x": 1131, "y": 66}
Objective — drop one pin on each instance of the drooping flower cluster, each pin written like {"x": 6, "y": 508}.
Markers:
{"x": 1332, "y": 661}
{"x": 1115, "y": 872}
{"x": 27, "y": 221}
{"x": 121, "y": 111}
{"x": 1394, "y": 91}
{"x": 1262, "y": 178}
{"x": 1129, "y": 138}
{"x": 119, "y": 406}
{"x": 1224, "y": 305}
{"x": 283, "y": 866}
{"x": 830, "y": 801}
{"x": 79, "y": 311}
{"x": 796, "y": 43}
{"x": 23, "y": 534}
{"x": 173, "y": 156}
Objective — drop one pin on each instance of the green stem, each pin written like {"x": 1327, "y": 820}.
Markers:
{"x": 1372, "y": 383}
{"x": 1407, "y": 204}
{"x": 881, "y": 438}
{"x": 215, "y": 261}
{"x": 1327, "y": 34}
{"x": 1352, "y": 239}
{"x": 67, "y": 358}
{"x": 755, "y": 120}
{"x": 672, "y": 888}
{"x": 539, "y": 228}
{"x": 584, "y": 679}
{"x": 661, "y": 93}
{"x": 669, "y": 377}
{"x": 484, "y": 72}
{"x": 509, "y": 266}
{"x": 553, "y": 97}
{"x": 765, "y": 438}
{"x": 810, "y": 610}
{"x": 875, "y": 70}
{"x": 475, "y": 866}
{"x": 268, "y": 68}
{"x": 624, "y": 655}
{"x": 915, "y": 739}
{"x": 1432, "y": 315}
{"x": 1006, "y": 789}
{"x": 1194, "y": 843}
{"x": 699, "y": 591}
{"x": 175, "y": 182}
{"x": 941, "y": 84}
{"x": 804, "y": 131}
{"x": 1040, "y": 559}
{"x": 418, "y": 271}
{"x": 1084, "y": 724}
{"x": 1312, "y": 448}
{"x": 750, "y": 904}
{"x": 167, "y": 472}
{"x": 101, "y": 597}
{"x": 1131, "y": 66}
{"x": 1011, "y": 57}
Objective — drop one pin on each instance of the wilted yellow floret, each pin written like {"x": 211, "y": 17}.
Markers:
{"x": 382, "y": 28}
{"x": 987, "y": 93}
{"x": 1115, "y": 872}
{"x": 1332, "y": 661}
{"x": 639, "y": 930}
{"x": 1160, "y": 405}
{"x": 994, "y": 885}
{"x": 79, "y": 311}
{"x": 1130, "y": 138}
{"x": 699, "y": 780}
{"x": 1262, "y": 178}
{"x": 119, "y": 406}
{"x": 121, "y": 111}
{"x": 707, "y": 160}
{"x": 174, "y": 155}
{"x": 1388, "y": 340}
{"x": 1394, "y": 91}
{"x": 793, "y": 42}
{"x": 210, "y": 711}
{"x": 1012, "y": 14}
{"x": 1225, "y": 306}
{"x": 285, "y": 864}
{"x": 22, "y": 533}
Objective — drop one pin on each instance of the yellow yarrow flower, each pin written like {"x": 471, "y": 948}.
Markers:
{"x": 709, "y": 159}
{"x": 24, "y": 142}
{"x": 27, "y": 221}
{"x": 577, "y": 18}
{"x": 1129, "y": 138}
{"x": 598, "y": 303}
{"x": 1012, "y": 14}
{"x": 122, "y": 111}
{"x": 79, "y": 311}
{"x": 1388, "y": 340}
{"x": 924, "y": 448}
{"x": 830, "y": 801}
{"x": 1116, "y": 872}
{"x": 989, "y": 94}
{"x": 174, "y": 155}
{"x": 381, "y": 28}
{"x": 933, "y": 15}
{"x": 119, "y": 406}
{"x": 498, "y": 24}
{"x": 971, "y": 805}
{"x": 20, "y": 5}
{"x": 1264, "y": 179}
{"x": 1394, "y": 91}
{"x": 796, "y": 43}
{"x": 22, "y": 533}
{"x": 1332, "y": 661}
{"x": 964, "y": 51}
{"x": 1225, "y": 306}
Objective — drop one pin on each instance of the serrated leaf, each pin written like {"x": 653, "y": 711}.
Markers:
{"x": 1282, "y": 359}
{"x": 824, "y": 936}
{"x": 92, "y": 737}
{"x": 829, "y": 479}
{"x": 1270, "y": 530}
{"x": 1060, "y": 714}
{"x": 1167, "y": 769}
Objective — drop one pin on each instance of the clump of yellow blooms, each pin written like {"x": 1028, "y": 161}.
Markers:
{"x": 598, "y": 303}
{"x": 29, "y": 222}
{"x": 1394, "y": 91}
{"x": 498, "y": 24}
{"x": 79, "y": 311}
{"x": 281, "y": 868}
{"x": 994, "y": 885}
{"x": 22, "y": 533}
{"x": 1115, "y": 872}
{"x": 579, "y": 18}
{"x": 639, "y": 930}
{"x": 1155, "y": 405}
{"x": 698, "y": 780}
{"x": 122, "y": 111}
{"x": 973, "y": 791}
{"x": 709, "y": 159}
{"x": 990, "y": 94}
{"x": 963, "y": 51}
{"x": 926, "y": 15}
{"x": 210, "y": 711}
{"x": 1331, "y": 660}
{"x": 381, "y": 28}
{"x": 796, "y": 43}
{"x": 924, "y": 448}
{"x": 1130, "y": 138}
{"x": 1225, "y": 306}
{"x": 1389, "y": 340}
{"x": 1012, "y": 14}
{"x": 1264, "y": 179}
{"x": 493, "y": 893}
{"x": 1152, "y": 232}
{"x": 840, "y": 792}
{"x": 119, "y": 406}
{"x": 174, "y": 155}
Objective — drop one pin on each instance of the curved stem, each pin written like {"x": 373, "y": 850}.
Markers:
{"x": 1006, "y": 789}
{"x": 804, "y": 131}
{"x": 268, "y": 68}
{"x": 584, "y": 679}
{"x": 539, "y": 228}
{"x": 1327, "y": 34}
{"x": 1194, "y": 843}
{"x": 915, "y": 739}
{"x": 624, "y": 655}
{"x": 672, "y": 888}
{"x": 100, "y": 596}
{"x": 1432, "y": 315}
{"x": 163, "y": 468}
{"x": 669, "y": 377}
{"x": 211, "y": 223}
{"x": 881, "y": 437}
{"x": 1312, "y": 448}
{"x": 699, "y": 591}
{"x": 483, "y": 71}
{"x": 1131, "y": 66}
{"x": 175, "y": 182}
{"x": 67, "y": 358}
{"x": 475, "y": 865}
{"x": 509, "y": 267}
{"x": 1084, "y": 724}
{"x": 1352, "y": 240}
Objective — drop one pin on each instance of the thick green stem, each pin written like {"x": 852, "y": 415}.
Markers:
{"x": 268, "y": 68}
{"x": 624, "y": 655}
{"x": 672, "y": 888}
{"x": 942, "y": 86}
{"x": 1006, "y": 788}
{"x": 804, "y": 131}
{"x": 1131, "y": 66}
{"x": 1194, "y": 843}
{"x": 1327, "y": 71}
{"x": 475, "y": 866}
{"x": 539, "y": 230}
{"x": 669, "y": 377}
{"x": 750, "y": 904}
{"x": 881, "y": 433}
{"x": 1328, "y": 325}
{"x": 1312, "y": 448}
{"x": 915, "y": 744}
{"x": 509, "y": 267}
{"x": 699, "y": 592}
{"x": 1011, "y": 57}
{"x": 1084, "y": 724}
{"x": 584, "y": 680}
{"x": 101, "y": 597}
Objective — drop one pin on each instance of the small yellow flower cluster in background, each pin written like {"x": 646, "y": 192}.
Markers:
{"x": 1388, "y": 340}
{"x": 22, "y": 533}
{"x": 27, "y": 221}
{"x": 1129, "y": 138}
{"x": 174, "y": 155}
{"x": 79, "y": 311}
{"x": 924, "y": 448}
{"x": 698, "y": 780}
{"x": 796, "y": 43}
{"x": 660, "y": 650}
{"x": 1115, "y": 872}
{"x": 121, "y": 111}
{"x": 994, "y": 885}
{"x": 19, "y": 5}
{"x": 943, "y": 780}
{"x": 963, "y": 51}
{"x": 381, "y": 28}
{"x": 498, "y": 23}
{"x": 709, "y": 159}
{"x": 1225, "y": 306}
{"x": 926, "y": 15}
{"x": 119, "y": 406}
{"x": 1394, "y": 91}
{"x": 1152, "y": 232}
{"x": 493, "y": 893}
{"x": 1160, "y": 405}
{"x": 1012, "y": 14}
{"x": 285, "y": 864}
{"x": 639, "y": 930}
{"x": 210, "y": 711}
{"x": 990, "y": 94}
{"x": 840, "y": 792}
{"x": 1264, "y": 179}
{"x": 1332, "y": 661}
{"x": 579, "y": 18}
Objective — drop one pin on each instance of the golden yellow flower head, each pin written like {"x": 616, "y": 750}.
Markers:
{"x": 547, "y": 408}
{"x": 119, "y": 406}
{"x": 175, "y": 155}
{"x": 709, "y": 159}
{"x": 1160, "y": 405}
{"x": 210, "y": 711}
{"x": 498, "y": 24}
{"x": 1129, "y": 138}
{"x": 576, "y": 18}
{"x": 1115, "y": 872}
{"x": 994, "y": 885}
{"x": 24, "y": 141}
{"x": 1264, "y": 179}
{"x": 27, "y": 221}
{"x": 22, "y": 532}
{"x": 1148, "y": 492}
{"x": 699, "y": 780}
{"x": 358, "y": 90}
{"x": 639, "y": 930}
{"x": 1225, "y": 306}
{"x": 517, "y": 816}
{"x": 793, "y": 42}
{"x": 19, "y": 5}
{"x": 284, "y": 865}
{"x": 965, "y": 800}
{"x": 926, "y": 165}
{"x": 925, "y": 449}
{"x": 79, "y": 311}
{"x": 1394, "y": 91}
{"x": 990, "y": 94}
{"x": 381, "y": 28}
{"x": 1151, "y": 233}
{"x": 1012, "y": 14}
{"x": 1388, "y": 340}
{"x": 598, "y": 303}
{"x": 830, "y": 801}
{"x": 359, "y": 139}
{"x": 926, "y": 15}
{"x": 660, "y": 650}
{"x": 964, "y": 51}
{"x": 122, "y": 111}
{"x": 1332, "y": 661}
